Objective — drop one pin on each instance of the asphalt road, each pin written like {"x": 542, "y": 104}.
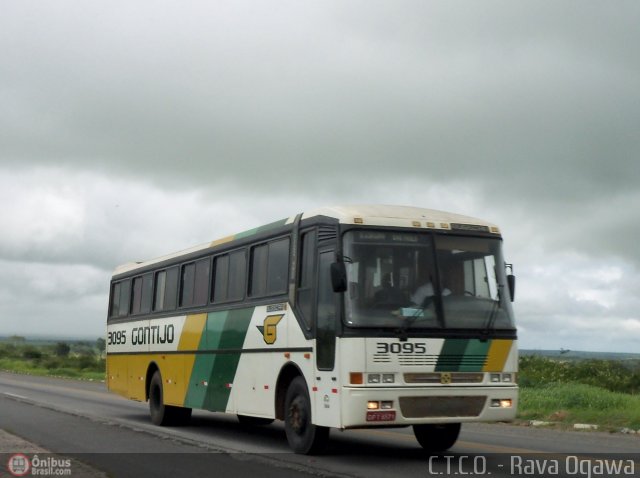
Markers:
{"x": 115, "y": 435}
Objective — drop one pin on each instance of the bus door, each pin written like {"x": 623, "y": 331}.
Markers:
{"x": 327, "y": 387}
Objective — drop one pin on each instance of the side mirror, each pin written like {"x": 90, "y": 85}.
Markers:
{"x": 338, "y": 277}
{"x": 511, "y": 281}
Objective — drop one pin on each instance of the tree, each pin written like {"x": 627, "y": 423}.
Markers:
{"x": 101, "y": 344}
{"x": 62, "y": 349}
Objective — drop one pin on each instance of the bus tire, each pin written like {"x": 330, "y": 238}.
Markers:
{"x": 254, "y": 421}
{"x": 161, "y": 414}
{"x": 437, "y": 437}
{"x": 303, "y": 436}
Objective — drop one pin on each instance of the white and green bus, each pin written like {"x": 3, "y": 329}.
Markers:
{"x": 342, "y": 317}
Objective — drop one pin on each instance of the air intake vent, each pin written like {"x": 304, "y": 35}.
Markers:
{"x": 327, "y": 233}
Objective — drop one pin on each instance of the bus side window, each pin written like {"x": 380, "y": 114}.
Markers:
{"x": 147, "y": 292}
{"x": 259, "y": 258}
{"x": 228, "y": 276}
{"x": 278, "y": 266}
{"x": 201, "y": 281}
{"x": 269, "y": 268}
{"x": 115, "y": 299}
{"x": 237, "y": 273}
{"x": 166, "y": 289}
{"x": 136, "y": 300}
{"x": 161, "y": 280}
{"x": 171, "y": 289}
{"x": 125, "y": 294}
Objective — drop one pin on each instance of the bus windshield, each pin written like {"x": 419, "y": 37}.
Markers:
{"x": 410, "y": 280}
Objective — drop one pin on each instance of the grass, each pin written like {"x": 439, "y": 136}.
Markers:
{"x": 599, "y": 392}
{"x": 568, "y": 403}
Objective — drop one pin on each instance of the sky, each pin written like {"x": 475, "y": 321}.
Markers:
{"x": 133, "y": 129}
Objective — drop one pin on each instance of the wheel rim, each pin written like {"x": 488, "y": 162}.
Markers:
{"x": 297, "y": 416}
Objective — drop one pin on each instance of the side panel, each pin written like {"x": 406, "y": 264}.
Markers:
{"x": 225, "y": 361}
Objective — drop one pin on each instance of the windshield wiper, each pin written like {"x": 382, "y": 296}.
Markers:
{"x": 418, "y": 314}
{"x": 493, "y": 314}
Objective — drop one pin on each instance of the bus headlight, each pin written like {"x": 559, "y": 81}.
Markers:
{"x": 501, "y": 403}
{"x": 373, "y": 378}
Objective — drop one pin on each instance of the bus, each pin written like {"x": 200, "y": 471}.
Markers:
{"x": 342, "y": 317}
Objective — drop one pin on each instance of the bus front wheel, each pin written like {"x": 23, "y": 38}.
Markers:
{"x": 162, "y": 414}
{"x": 303, "y": 436}
{"x": 437, "y": 437}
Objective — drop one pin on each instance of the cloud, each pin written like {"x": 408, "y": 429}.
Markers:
{"x": 128, "y": 132}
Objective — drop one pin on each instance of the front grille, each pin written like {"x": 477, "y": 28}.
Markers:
{"x": 440, "y": 407}
{"x": 436, "y": 377}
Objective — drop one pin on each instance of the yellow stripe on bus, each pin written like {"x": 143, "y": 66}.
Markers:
{"x": 498, "y": 354}
{"x": 190, "y": 340}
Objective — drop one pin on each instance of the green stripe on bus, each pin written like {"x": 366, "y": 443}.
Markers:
{"x": 475, "y": 356}
{"x": 463, "y": 355}
{"x": 260, "y": 229}
{"x": 224, "y": 330}
{"x": 224, "y": 367}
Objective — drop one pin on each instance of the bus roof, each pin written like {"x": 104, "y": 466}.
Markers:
{"x": 371, "y": 215}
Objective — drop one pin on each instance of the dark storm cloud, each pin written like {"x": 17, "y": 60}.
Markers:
{"x": 122, "y": 116}
{"x": 540, "y": 96}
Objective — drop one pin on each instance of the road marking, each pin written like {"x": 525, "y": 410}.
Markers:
{"x": 13, "y": 395}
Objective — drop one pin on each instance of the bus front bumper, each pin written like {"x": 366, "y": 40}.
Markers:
{"x": 374, "y": 407}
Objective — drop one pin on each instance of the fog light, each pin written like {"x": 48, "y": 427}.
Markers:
{"x": 505, "y": 403}
{"x": 495, "y": 403}
{"x": 495, "y": 377}
{"x": 386, "y": 405}
{"x": 373, "y": 405}
{"x": 388, "y": 378}
{"x": 373, "y": 378}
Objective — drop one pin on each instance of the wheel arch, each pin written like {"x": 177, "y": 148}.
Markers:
{"x": 287, "y": 373}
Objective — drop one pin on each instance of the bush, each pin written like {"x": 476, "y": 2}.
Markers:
{"x": 31, "y": 353}
{"x": 536, "y": 371}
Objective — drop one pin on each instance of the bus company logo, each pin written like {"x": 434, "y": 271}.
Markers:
{"x": 268, "y": 329}
{"x": 19, "y": 464}
{"x": 445, "y": 378}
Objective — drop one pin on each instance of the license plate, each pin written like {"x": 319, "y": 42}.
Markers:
{"x": 381, "y": 416}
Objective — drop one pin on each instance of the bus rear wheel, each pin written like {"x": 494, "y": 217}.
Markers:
{"x": 437, "y": 437}
{"x": 161, "y": 414}
{"x": 303, "y": 436}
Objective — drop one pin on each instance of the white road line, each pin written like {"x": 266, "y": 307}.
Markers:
{"x": 13, "y": 395}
